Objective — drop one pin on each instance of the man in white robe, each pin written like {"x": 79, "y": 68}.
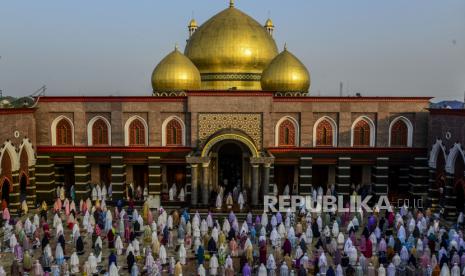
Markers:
{"x": 171, "y": 193}
{"x": 214, "y": 265}
{"x": 74, "y": 263}
{"x": 182, "y": 254}
{"x": 219, "y": 201}
{"x": 241, "y": 201}
{"x": 92, "y": 263}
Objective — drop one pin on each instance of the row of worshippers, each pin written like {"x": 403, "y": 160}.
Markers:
{"x": 101, "y": 192}
{"x": 384, "y": 243}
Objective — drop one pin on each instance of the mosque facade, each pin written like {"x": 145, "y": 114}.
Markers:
{"x": 230, "y": 110}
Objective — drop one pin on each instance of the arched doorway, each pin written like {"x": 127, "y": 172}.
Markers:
{"x": 230, "y": 164}
{"x": 5, "y": 193}
{"x": 22, "y": 188}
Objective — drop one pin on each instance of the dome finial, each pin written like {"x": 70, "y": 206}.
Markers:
{"x": 176, "y": 46}
{"x": 231, "y": 3}
{"x": 285, "y": 46}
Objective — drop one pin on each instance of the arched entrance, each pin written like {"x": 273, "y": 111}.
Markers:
{"x": 5, "y": 193}
{"x": 230, "y": 166}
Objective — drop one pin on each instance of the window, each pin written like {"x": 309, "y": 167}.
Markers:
{"x": 99, "y": 133}
{"x": 173, "y": 133}
{"x": 136, "y": 133}
{"x": 64, "y": 133}
{"x": 399, "y": 134}
{"x": 287, "y": 134}
{"x": 324, "y": 134}
{"x": 361, "y": 134}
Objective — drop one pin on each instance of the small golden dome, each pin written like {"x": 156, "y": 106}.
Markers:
{"x": 286, "y": 73}
{"x": 269, "y": 23}
{"x": 193, "y": 24}
{"x": 175, "y": 73}
{"x": 231, "y": 49}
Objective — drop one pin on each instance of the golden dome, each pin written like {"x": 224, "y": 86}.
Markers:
{"x": 231, "y": 50}
{"x": 175, "y": 73}
{"x": 269, "y": 23}
{"x": 286, "y": 74}
{"x": 193, "y": 24}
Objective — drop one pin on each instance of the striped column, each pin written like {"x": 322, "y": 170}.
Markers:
{"x": 379, "y": 176}
{"x": 404, "y": 178}
{"x": 433, "y": 191}
{"x": 305, "y": 176}
{"x": 187, "y": 188}
{"x": 31, "y": 188}
{"x": 419, "y": 178}
{"x": 154, "y": 176}
{"x": 343, "y": 176}
{"x": 450, "y": 210}
{"x": 81, "y": 177}
{"x": 118, "y": 177}
{"x": 14, "y": 204}
{"x": 272, "y": 181}
{"x": 45, "y": 179}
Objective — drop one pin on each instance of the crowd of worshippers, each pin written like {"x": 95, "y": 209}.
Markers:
{"x": 55, "y": 241}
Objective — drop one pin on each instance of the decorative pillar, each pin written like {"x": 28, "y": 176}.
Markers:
{"x": 14, "y": 204}
{"x": 81, "y": 177}
{"x": 433, "y": 191}
{"x": 450, "y": 210}
{"x": 255, "y": 184}
{"x": 379, "y": 175}
{"x": 305, "y": 176}
{"x": 343, "y": 176}
{"x": 272, "y": 181}
{"x": 155, "y": 179}
{"x": 419, "y": 179}
{"x": 31, "y": 188}
{"x": 188, "y": 186}
{"x": 266, "y": 180}
{"x": 205, "y": 185}
{"x": 194, "y": 184}
{"x": 45, "y": 179}
{"x": 118, "y": 177}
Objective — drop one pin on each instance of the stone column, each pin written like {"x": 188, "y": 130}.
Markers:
{"x": 343, "y": 176}
{"x": 255, "y": 184}
{"x": 266, "y": 180}
{"x": 419, "y": 180}
{"x": 433, "y": 191}
{"x": 380, "y": 175}
{"x": 194, "y": 184}
{"x": 81, "y": 177}
{"x": 118, "y": 177}
{"x": 45, "y": 179}
{"x": 205, "y": 186}
{"x": 306, "y": 173}
{"x": 450, "y": 210}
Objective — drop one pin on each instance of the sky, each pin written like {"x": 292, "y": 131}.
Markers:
{"x": 110, "y": 47}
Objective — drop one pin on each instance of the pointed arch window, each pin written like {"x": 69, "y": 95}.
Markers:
{"x": 136, "y": 133}
{"x": 362, "y": 134}
{"x": 324, "y": 133}
{"x": 99, "y": 133}
{"x": 287, "y": 135}
{"x": 173, "y": 133}
{"x": 64, "y": 133}
{"x": 399, "y": 134}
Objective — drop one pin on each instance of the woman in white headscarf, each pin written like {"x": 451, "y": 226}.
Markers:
{"x": 74, "y": 263}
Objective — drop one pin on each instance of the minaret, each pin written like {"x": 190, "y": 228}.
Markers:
{"x": 192, "y": 27}
{"x": 269, "y": 26}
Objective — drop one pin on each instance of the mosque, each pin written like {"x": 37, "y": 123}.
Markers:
{"x": 231, "y": 110}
